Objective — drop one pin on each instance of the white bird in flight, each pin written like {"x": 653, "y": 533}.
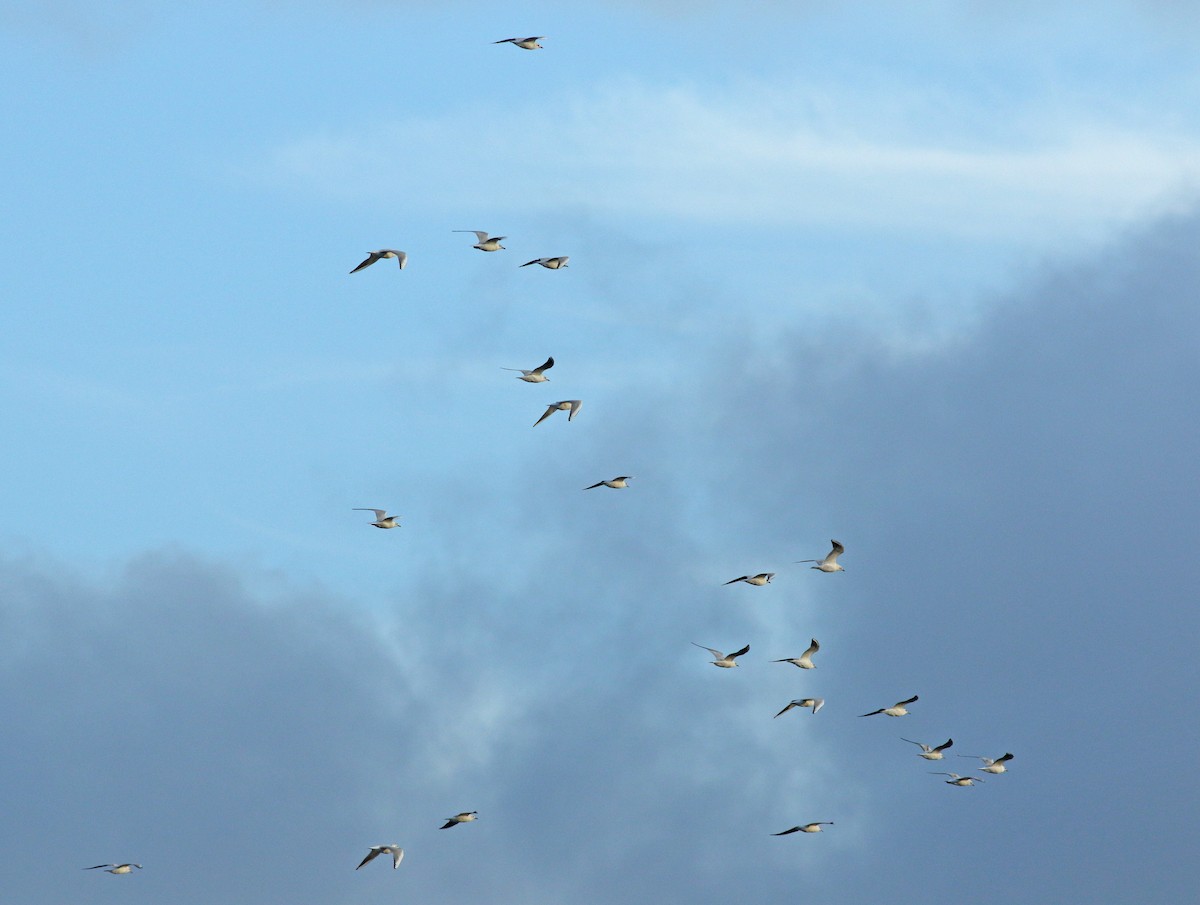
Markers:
{"x": 829, "y": 563}
{"x": 394, "y": 850}
{"x": 758, "y": 580}
{"x": 115, "y": 868}
{"x": 930, "y": 753}
{"x": 485, "y": 242}
{"x": 373, "y": 256}
{"x": 992, "y": 766}
{"x": 806, "y": 828}
{"x": 537, "y": 375}
{"x": 464, "y": 817}
{"x": 619, "y": 483}
{"x": 725, "y": 661}
{"x": 549, "y": 263}
{"x": 572, "y": 404}
{"x": 804, "y": 661}
{"x": 524, "y": 43}
{"x": 382, "y": 519}
{"x": 815, "y": 703}
{"x": 956, "y": 780}
{"x": 897, "y": 709}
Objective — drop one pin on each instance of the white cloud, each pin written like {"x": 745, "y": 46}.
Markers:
{"x": 872, "y": 157}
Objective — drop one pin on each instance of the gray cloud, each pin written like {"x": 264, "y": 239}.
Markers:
{"x": 247, "y": 739}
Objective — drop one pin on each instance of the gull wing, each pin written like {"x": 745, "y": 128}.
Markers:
{"x": 93, "y": 867}
{"x": 549, "y": 363}
{"x": 794, "y": 829}
{"x": 550, "y": 410}
{"x": 395, "y": 851}
{"x": 480, "y": 236}
{"x": 738, "y": 653}
{"x": 576, "y": 405}
{"x": 743, "y": 578}
{"x": 944, "y": 745}
{"x": 371, "y": 855}
{"x": 873, "y": 712}
{"x": 716, "y": 653}
{"x": 920, "y": 745}
{"x": 812, "y": 649}
{"x": 1000, "y": 760}
{"x": 594, "y": 486}
{"x": 788, "y": 707}
{"x": 837, "y": 551}
{"x": 535, "y": 260}
{"x": 372, "y": 257}
{"x": 909, "y": 701}
{"x": 818, "y": 704}
{"x": 380, "y": 514}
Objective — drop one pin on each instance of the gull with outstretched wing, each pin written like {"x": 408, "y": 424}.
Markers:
{"x": 829, "y": 563}
{"x": 725, "y": 661}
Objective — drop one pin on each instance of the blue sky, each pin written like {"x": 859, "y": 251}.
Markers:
{"x": 917, "y": 277}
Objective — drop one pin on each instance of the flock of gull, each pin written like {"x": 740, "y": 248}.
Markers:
{"x": 829, "y": 564}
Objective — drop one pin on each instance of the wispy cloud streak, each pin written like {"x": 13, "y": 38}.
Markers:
{"x": 800, "y": 157}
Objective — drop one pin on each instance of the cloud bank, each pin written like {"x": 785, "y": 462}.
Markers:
{"x": 1019, "y": 523}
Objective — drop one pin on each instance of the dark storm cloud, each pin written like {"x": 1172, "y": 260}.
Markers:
{"x": 1019, "y": 516}
{"x": 1018, "y": 508}
{"x": 178, "y": 717}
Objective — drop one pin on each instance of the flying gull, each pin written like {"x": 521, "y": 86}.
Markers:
{"x": 930, "y": 753}
{"x": 115, "y": 868}
{"x": 759, "y": 580}
{"x": 485, "y": 242}
{"x": 382, "y": 519}
{"x": 896, "y": 709}
{"x": 537, "y": 375}
{"x": 722, "y": 660}
{"x": 464, "y": 817}
{"x": 572, "y": 404}
{"x": 829, "y": 563}
{"x": 956, "y": 780}
{"x": 806, "y": 828}
{"x": 394, "y": 850}
{"x": 992, "y": 766}
{"x": 524, "y": 43}
{"x": 815, "y": 703}
{"x": 549, "y": 263}
{"x": 616, "y": 483}
{"x": 804, "y": 661}
{"x": 373, "y": 256}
